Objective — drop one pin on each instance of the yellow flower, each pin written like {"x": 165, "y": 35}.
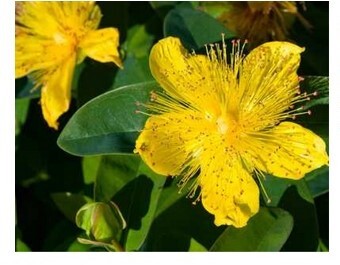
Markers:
{"x": 222, "y": 120}
{"x": 261, "y": 21}
{"x": 50, "y": 39}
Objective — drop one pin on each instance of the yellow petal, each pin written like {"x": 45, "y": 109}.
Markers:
{"x": 228, "y": 192}
{"x": 186, "y": 77}
{"x": 161, "y": 146}
{"x": 102, "y": 45}
{"x": 269, "y": 82}
{"x": 291, "y": 151}
{"x": 56, "y": 92}
{"x": 32, "y": 54}
{"x": 44, "y": 19}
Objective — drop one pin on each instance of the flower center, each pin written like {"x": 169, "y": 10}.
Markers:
{"x": 65, "y": 44}
{"x": 222, "y": 125}
{"x": 59, "y": 38}
{"x": 226, "y": 124}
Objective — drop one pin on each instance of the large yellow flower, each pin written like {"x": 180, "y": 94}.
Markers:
{"x": 222, "y": 120}
{"x": 261, "y": 21}
{"x": 50, "y": 39}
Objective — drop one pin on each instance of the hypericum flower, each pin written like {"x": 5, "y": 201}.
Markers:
{"x": 221, "y": 120}
{"x": 261, "y": 21}
{"x": 50, "y": 39}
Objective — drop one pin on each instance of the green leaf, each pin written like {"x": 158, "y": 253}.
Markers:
{"x": 114, "y": 173}
{"x": 69, "y": 203}
{"x": 319, "y": 84}
{"x": 139, "y": 41}
{"x": 195, "y": 28}
{"x": 108, "y": 124}
{"x": 276, "y": 187}
{"x": 318, "y": 181}
{"x": 139, "y": 229}
{"x": 268, "y": 230}
{"x": 21, "y": 110}
{"x": 126, "y": 176}
{"x": 90, "y": 166}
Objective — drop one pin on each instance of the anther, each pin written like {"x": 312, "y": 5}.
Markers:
{"x": 153, "y": 96}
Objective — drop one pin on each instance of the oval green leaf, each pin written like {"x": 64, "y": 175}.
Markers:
{"x": 108, "y": 124}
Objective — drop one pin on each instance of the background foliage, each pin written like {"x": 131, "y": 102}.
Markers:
{"x": 90, "y": 158}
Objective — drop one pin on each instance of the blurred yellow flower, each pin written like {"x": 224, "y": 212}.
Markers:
{"x": 261, "y": 21}
{"x": 221, "y": 118}
{"x": 50, "y": 39}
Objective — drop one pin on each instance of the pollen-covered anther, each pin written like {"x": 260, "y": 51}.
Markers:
{"x": 153, "y": 96}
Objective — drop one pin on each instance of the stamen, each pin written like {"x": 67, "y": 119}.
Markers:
{"x": 142, "y": 112}
{"x": 264, "y": 192}
{"x": 224, "y": 47}
{"x": 207, "y": 51}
